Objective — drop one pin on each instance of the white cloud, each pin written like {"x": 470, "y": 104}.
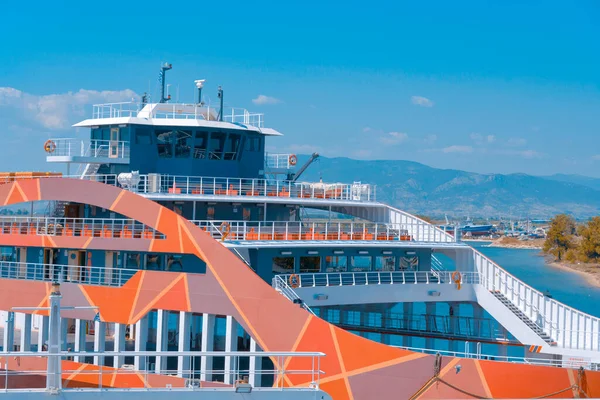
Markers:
{"x": 421, "y": 101}
{"x": 367, "y": 129}
{"x": 596, "y": 157}
{"x": 516, "y": 142}
{"x": 457, "y": 149}
{"x": 394, "y": 138}
{"x": 56, "y": 111}
{"x": 480, "y": 139}
{"x": 264, "y": 100}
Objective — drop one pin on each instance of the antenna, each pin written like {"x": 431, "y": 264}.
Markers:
{"x": 200, "y": 84}
{"x": 220, "y": 96}
{"x": 162, "y": 79}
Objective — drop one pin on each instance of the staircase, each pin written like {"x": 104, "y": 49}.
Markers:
{"x": 515, "y": 310}
{"x": 89, "y": 170}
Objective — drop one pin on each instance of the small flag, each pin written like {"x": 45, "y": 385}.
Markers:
{"x": 97, "y": 317}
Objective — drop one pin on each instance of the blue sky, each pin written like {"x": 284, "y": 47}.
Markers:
{"x": 481, "y": 86}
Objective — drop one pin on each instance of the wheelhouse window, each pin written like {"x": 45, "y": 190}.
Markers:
{"x": 164, "y": 142}
{"x": 409, "y": 263}
{"x": 385, "y": 263}
{"x": 183, "y": 144}
{"x": 200, "y": 145}
{"x": 310, "y": 264}
{"x": 336, "y": 264}
{"x": 217, "y": 145}
{"x": 233, "y": 144}
{"x": 283, "y": 265}
{"x": 360, "y": 263}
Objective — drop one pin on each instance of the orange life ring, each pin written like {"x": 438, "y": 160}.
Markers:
{"x": 457, "y": 278}
{"x": 293, "y": 160}
{"x": 49, "y": 146}
{"x": 294, "y": 281}
{"x": 225, "y": 228}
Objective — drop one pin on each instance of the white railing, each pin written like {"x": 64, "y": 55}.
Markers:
{"x": 567, "y": 326}
{"x": 280, "y": 284}
{"x": 177, "y": 111}
{"x": 299, "y": 230}
{"x": 198, "y": 185}
{"x": 307, "y": 365}
{"x": 356, "y": 278}
{"x": 276, "y": 161}
{"x": 68, "y": 147}
{"x": 116, "y": 110}
{"x": 66, "y": 273}
{"x": 87, "y": 227}
{"x": 421, "y": 230}
{"x": 572, "y": 364}
{"x": 214, "y": 186}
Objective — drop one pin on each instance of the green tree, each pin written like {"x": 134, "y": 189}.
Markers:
{"x": 560, "y": 236}
{"x": 589, "y": 248}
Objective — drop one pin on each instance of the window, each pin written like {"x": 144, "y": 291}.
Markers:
{"x": 210, "y": 213}
{"x": 154, "y": 262}
{"x": 233, "y": 144}
{"x": 143, "y": 136}
{"x": 217, "y": 144}
{"x": 336, "y": 263}
{"x": 132, "y": 260}
{"x": 283, "y": 265}
{"x": 409, "y": 263}
{"x": 183, "y": 144}
{"x": 360, "y": 263}
{"x": 385, "y": 263}
{"x": 310, "y": 264}
{"x": 200, "y": 145}
{"x": 164, "y": 142}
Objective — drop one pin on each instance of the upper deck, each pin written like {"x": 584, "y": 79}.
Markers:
{"x": 177, "y": 114}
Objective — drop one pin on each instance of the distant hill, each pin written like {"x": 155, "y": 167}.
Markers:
{"x": 421, "y": 189}
{"x": 593, "y": 183}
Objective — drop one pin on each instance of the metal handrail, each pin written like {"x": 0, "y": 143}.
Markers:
{"x": 302, "y": 230}
{"x": 354, "y": 278}
{"x": 85, "y": 274}
{"x": 281, "y": 285}
{"x": 549, "y": 323}
{"x": 87, "y": 227}
{"x": 92, "y": 148}
{"x": 310, "y": 367}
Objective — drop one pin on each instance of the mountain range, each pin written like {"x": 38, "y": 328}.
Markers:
{"x": 434, "y": 192}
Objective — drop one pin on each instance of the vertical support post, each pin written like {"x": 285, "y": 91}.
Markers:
{"x": 183, "y": 362}
{"x": 43, "y": 332}
{"x": 407, "y": 310}
{"x": 26, "y": 333}
{"x": 80, "y": 338}
{"x": 162, "y": 322}
{"x": 99, "y": 341}
{"x": 231, "y": 342}
{"x": 53, "y": 371}
{"x": 208, "y": 341}
{"x": 141, "y": 337}
{"x": 430, "y": 309}
{"x": 119, "y": 346}
{"x": 64, "y": 328}
{"x": 9, "y": 332}
{"x": 255, "y": 366}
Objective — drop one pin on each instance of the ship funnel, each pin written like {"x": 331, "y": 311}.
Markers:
{"x": 199, "y": 84}
{"x": 162, "y": 78}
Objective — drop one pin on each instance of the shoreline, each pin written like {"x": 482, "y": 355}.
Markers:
{"x": 593, "y": 278}
{"x": 511, "y": 243}
{"x": 590, "y": 272}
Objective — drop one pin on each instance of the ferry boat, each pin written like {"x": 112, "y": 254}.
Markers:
{"x": 177, "y": 255}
